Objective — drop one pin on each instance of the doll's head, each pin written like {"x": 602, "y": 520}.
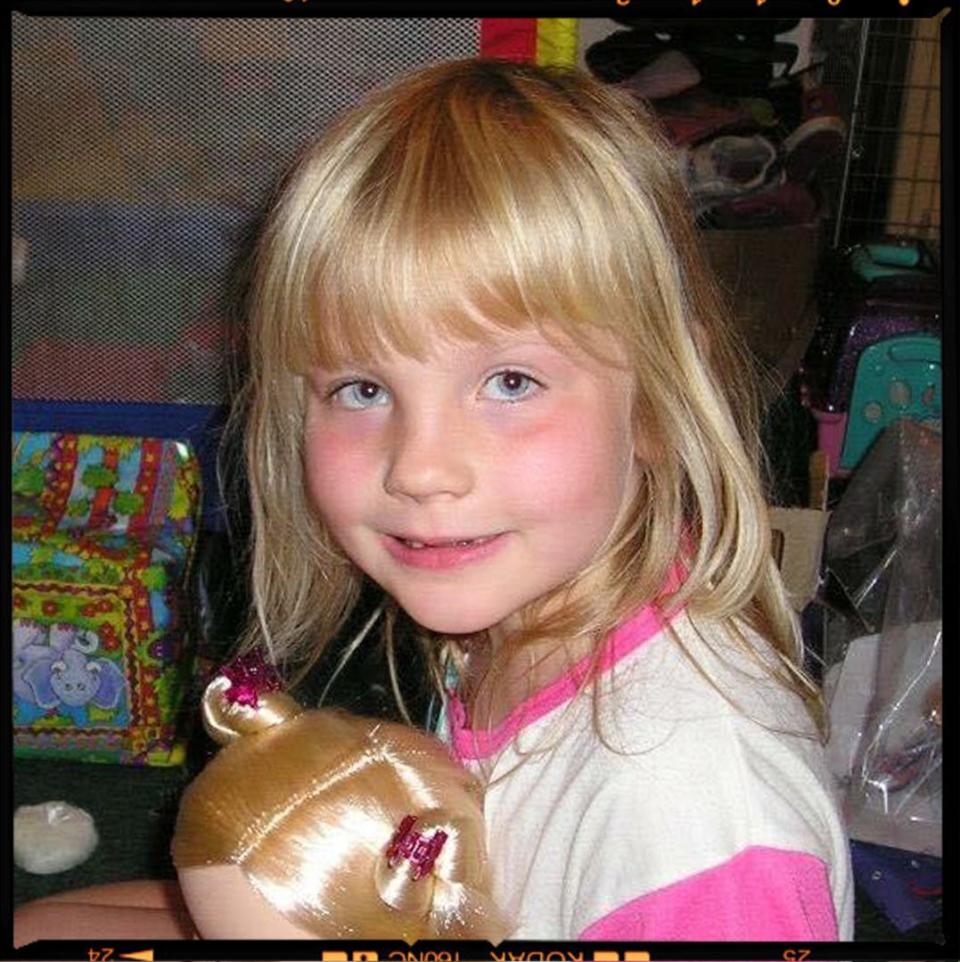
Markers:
{"x": 316, "y": 823}
{"x": 484, "y": 194}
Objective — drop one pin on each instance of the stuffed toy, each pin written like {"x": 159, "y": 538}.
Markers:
{"x": 52, "y": 837}
{"x": 321, "y": 824}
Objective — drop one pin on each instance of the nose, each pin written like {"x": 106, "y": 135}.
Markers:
{"x": 429, "y": 457}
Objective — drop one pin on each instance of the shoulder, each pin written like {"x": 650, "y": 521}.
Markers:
{"x": 715, "y": 807}
{"x": 698, "y": 715}
{"x": 687, "y": 793}
{"x": 659, "y": 779}
{"x": 696, "y": 671}
{"x": 684, "y": 778}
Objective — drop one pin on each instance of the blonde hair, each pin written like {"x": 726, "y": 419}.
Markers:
{"x": 307, "y": 802}
{"x": 477, "y": 192}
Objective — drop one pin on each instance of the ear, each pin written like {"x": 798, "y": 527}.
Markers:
{"x": 648, "y": 446}
{"x": 644, "y": 451}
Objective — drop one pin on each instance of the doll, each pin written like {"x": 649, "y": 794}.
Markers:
{"x": 320, "y": 824}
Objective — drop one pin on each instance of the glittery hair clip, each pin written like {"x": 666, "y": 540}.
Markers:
{"x": 419, "y": 851}
{"x": 249, "y": 676}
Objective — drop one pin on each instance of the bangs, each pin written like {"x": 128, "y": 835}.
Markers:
{"x": 470, "y": 210}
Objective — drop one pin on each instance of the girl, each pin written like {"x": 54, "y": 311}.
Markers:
{"x": 491, "y": 374}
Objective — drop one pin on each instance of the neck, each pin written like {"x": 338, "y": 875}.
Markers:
{"x": 499, "y": 679}
{"x": 502, "y": 674}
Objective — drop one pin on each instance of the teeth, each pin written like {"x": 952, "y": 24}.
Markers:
{"x": 442, "y": 544}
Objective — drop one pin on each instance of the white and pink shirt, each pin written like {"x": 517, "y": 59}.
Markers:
{"x": 660, "y": 809}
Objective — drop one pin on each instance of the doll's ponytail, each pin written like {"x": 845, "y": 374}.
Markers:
{"x": 245, "y": 698}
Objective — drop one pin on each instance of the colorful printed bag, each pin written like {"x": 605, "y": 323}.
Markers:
{"x": 103, "y": 532}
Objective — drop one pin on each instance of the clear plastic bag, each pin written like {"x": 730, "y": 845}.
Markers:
{"x": 883, "y": 682}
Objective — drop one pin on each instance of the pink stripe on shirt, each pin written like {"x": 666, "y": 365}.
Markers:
{"x": 760, "y": 895}
{"x": 469, "y": 744}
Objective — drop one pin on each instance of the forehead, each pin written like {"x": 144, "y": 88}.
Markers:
{"x": 438, "y": 343}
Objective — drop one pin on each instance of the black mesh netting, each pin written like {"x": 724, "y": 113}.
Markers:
{"x": 142, "y": 151}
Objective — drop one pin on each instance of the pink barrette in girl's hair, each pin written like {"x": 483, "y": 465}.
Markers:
{"x": 249, "y": 676}
{"x": 419, "y": 851}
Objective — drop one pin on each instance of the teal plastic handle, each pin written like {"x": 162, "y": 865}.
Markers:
{"x": 864, "y": 265}
{"x": 880, "y": 259}
{"x": 895, "y": 255}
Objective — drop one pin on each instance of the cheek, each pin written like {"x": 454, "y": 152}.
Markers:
{"x": 330, "y": 458}
{"x": 574, "y": 466}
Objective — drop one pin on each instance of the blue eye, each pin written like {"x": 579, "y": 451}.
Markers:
{"x": 512, "y": 385}
{"x": 357, "y": 395}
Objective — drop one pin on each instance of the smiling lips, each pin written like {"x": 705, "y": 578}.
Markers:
{"x": 443, "y": 542}
{"x": 436, "y": 553}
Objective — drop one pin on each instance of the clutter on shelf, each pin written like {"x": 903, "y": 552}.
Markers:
{"x": 751, "y": 133}
{"x": 875, "y": 354}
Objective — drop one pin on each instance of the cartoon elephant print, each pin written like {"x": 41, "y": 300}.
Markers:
{"x": 29, "y": 645}
{"x": 62, "y": 673}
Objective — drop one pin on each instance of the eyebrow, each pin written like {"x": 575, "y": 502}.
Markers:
{"x": 472, "y": 351}
{"x": 507, "y": 341}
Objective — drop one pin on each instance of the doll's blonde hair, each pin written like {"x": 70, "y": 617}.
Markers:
{"x": 307, "y": 802}
{"x": 483, "y": 192}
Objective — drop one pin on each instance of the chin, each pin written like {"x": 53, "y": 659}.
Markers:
{"x": 451, "y": 623}
{"x": 451, "y": 618}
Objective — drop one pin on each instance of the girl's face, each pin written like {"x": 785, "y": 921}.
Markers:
{"x": 473, "y": 482}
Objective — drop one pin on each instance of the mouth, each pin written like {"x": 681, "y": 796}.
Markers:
{"x": 418, "y": 551}
{"x": 419, "y": 543}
